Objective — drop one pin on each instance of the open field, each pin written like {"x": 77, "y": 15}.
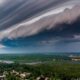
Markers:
{"x": 33, "y": 57}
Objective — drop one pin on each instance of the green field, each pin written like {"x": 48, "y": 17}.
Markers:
{"x": 32, "y": 57}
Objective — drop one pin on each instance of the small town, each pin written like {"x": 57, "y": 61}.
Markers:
{"x": 20, "y": 76}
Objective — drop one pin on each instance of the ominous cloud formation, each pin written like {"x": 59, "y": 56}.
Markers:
{"x": 44, "y": 22}
{"x": 31, "y": 22}
{"x": 15, "y": 11}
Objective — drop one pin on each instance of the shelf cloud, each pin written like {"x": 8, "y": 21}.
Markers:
{"x": 15, "y": 11}
{"x": 32, "y": 20}
{"x": 44, "y": 22}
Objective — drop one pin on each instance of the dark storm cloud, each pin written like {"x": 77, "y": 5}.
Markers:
{"x": 15, "y": 11}
{"x": 65, "y": 33}
{"x": 25, "y": 22}
{"x": 44, "y": 22}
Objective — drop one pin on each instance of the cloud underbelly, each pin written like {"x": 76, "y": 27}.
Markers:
{"x": 46, "y": 21}
{"x": 30, "y": 22}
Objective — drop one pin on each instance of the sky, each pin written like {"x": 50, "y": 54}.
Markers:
{"x": 39, "y": 26}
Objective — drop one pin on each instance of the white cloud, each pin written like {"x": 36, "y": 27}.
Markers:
{"x": 2, "y": 46}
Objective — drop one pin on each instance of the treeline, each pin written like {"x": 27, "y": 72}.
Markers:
{"x": 62, "y": 71}
{"x": 33, "y": 57}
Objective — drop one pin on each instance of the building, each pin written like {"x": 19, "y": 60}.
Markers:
{"x": 2, "y": 77}
{"x": 75, "y": 58}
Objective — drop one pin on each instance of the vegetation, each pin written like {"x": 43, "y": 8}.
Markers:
{"x": 62, "y": 71}
{"x": 32, "y": 57}
{"x": 52, "y": 67}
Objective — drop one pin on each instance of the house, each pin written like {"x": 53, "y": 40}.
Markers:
{"x": 2, "y": 77}
{"x": 42, "y": 78}
{"x": 24, "y": 75}
{"x": 75, "y": 58}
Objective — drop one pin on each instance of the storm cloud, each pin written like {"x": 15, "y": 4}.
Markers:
{"x": 25, "y": 22}
{"x": 16, "y": 11}
{"x": 44, "y": 22}
{"x": 13, "y": 12}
